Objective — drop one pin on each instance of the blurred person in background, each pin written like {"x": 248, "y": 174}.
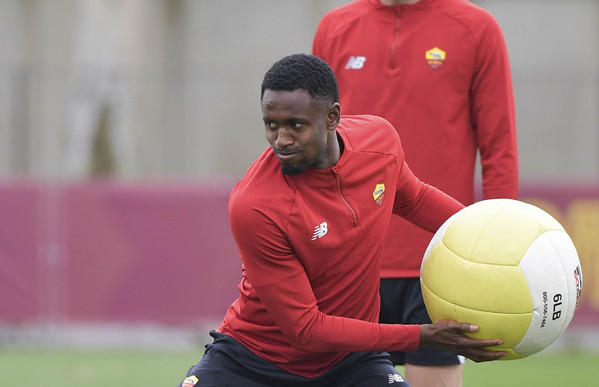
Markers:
{"x": 100, "y": 139}
{"x": 438, "y": 70}
{"x": 309, "y": 218}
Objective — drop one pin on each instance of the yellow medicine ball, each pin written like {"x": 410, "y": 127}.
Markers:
{"x": 508, "y": 267}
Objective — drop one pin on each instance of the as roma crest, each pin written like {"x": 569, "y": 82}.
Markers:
{"x": 190, "y": 381}
{"x": 379, "y": 194}
{"x": 435, "y": 57}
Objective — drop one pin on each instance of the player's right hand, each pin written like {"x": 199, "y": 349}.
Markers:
{"x": 449, "y": 335}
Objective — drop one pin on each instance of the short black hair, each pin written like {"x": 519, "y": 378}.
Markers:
{"x": 305, "y": 72}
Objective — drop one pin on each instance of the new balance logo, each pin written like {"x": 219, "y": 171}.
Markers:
{"x": 355, "y": 62}
{"x": 320, "y": 230}
{"x": 395, "y": 378}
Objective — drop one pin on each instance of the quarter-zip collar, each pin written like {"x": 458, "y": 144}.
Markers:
{"x": 336, "y": 169}
{"x": 399, "y": 9}
{"x": 342, "y": 197}
{"x": 392, "y": 15}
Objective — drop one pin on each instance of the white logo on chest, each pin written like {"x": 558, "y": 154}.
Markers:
{"x": 355, "y": 62}
{"x": 320, "y": 230}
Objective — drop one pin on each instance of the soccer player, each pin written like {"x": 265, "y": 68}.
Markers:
{"x": 309, "y": 218}
{"x": 438, "y": 70}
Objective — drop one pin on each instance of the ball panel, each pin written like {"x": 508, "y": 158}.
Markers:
{"x": 438, "y": 236}
{"x": 520, "y": 222}
{"x": 566, "y": 251}
{"x": 509, "y": 327}
{"x": 548, "y": 267}
{"x": 462, "y": 282}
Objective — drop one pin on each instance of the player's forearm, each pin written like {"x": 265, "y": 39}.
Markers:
{"x": 500, "y": 177}
{"x": 434, "y": 208}
{"x": 333, "y": 333}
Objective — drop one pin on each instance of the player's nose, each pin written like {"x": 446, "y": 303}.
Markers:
{"x": 284, "y": 138}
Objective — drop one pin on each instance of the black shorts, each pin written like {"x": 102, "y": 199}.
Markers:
{"x": 227, "y": 363}
{"x": 402, "y": 303}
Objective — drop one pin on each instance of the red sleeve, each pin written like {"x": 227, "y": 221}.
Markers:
{"x": 493, "y": 114}
{"x": 422, "y": 204}
{"x": 280, "y": 281}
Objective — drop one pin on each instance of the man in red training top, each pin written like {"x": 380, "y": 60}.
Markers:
{"x": 309, "y": 218}
{"x": 438, "y": 71}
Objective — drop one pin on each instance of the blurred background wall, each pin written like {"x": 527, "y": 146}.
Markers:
{"x": 124, "y": 124}
{"x": 170, "y": 88}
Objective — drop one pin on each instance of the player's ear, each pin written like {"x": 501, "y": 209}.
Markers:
{"x": 333, "y": 116}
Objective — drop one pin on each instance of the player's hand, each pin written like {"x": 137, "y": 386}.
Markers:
{"x": 449, "y": 335}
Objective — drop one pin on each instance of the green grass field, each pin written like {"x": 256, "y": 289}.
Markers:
{"x": 45, "y": 368}
{"x": 573, "y": 369}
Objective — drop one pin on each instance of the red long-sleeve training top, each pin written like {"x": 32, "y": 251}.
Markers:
{"x": 310, "y": 246}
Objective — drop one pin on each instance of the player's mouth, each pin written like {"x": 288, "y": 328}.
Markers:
{"x": 284, "y": 156}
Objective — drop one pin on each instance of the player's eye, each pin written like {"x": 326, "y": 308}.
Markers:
{"x": 270, "y": 125}
{"x": 296, "y": 125}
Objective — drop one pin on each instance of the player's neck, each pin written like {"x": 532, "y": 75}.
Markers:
{"x": 398, "y": 2}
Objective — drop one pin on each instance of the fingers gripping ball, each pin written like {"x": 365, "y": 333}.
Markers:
{"x": 508, "y": 267}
